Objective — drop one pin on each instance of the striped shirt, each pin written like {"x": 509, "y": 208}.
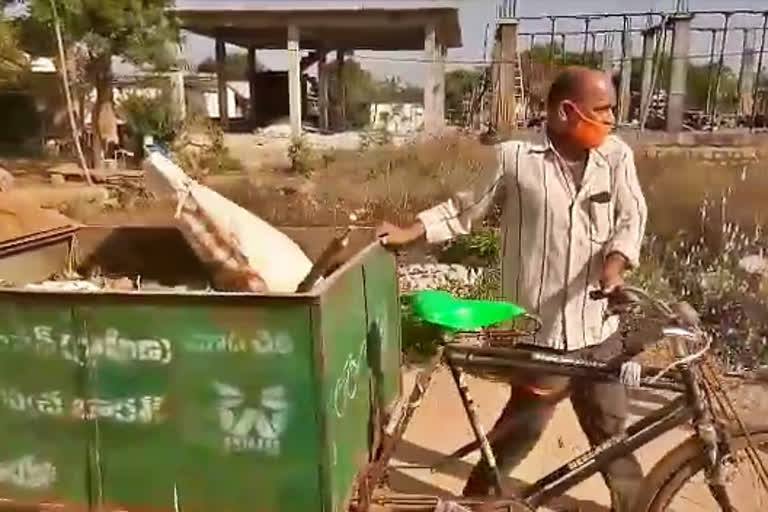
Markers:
{"x": 555, "y": 235}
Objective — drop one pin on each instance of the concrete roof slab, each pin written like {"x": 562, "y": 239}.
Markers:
{"x": 314, "y": 5}
{"x": 370, "y": 25}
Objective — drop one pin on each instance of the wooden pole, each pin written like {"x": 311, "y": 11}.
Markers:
{"x": 68, "y": 96}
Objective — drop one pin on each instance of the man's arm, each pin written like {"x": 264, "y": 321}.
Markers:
{"x": 453, "y": 217}
{"x": 623, "y": 250}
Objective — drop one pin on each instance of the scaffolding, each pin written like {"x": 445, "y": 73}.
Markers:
{"x": 666, "y": 54}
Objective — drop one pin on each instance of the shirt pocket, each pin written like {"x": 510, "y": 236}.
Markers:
{"x": 600, "y": 209}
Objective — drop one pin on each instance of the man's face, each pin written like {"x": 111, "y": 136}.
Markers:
{"x": 597, "y": 101}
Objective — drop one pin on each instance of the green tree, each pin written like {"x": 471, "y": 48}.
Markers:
{"x": 13, "y": 64}
{"x": 358, "y": 89}
{"x": 394, "y": 90}
{"x": 150, "y": 115}
{"x": 700, "y": 78}
{"x": 539, "y": 74}
{"x": 139, "y": 32}
{"x": 235, "y": 66}
{"x": 459, "y": 84}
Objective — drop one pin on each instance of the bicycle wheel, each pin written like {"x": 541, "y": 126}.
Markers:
{"x": 677, "y": 483}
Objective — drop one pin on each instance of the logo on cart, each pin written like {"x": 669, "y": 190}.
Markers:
{"x": 345, "y": 389}
{"x": 249, "y": 428}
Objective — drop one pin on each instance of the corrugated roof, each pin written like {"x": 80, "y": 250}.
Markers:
{"x": 314, "y": 5}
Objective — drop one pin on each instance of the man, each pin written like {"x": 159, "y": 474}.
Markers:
{"x": 573, "y": 221}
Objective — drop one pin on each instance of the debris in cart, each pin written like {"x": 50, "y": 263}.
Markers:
{"x": 244, "y": 252}
{"x": 75, "y": 283}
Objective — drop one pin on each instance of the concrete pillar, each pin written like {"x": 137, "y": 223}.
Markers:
{"x": 625, "y": 91}
{"x": 176, "y": 82}
{"x": 221, "y": 82}
{"x": 178, "y": 93}
{"x": 322, "y": 90}
{"x": 341, "y": 93}
{"x": 294, "y": 80}
{"x": 681, "y": 47}
{"x": 646, "y": 84}
{"x": 434, "y": 84}
{"x": 747, "y": 74}
{"x": 493, "y": 115}
{"x": 252, "y": 92}
{"x": 607, "y": 64}
{"x": 440, "y": 82}
{"x": 507, "y": 120}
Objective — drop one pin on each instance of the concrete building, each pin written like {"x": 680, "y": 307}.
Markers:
{"x": 321, "y": 27}
{"x": 397, "y": 118}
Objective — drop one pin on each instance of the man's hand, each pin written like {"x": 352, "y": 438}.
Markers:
{"x": 612, "y": 278}
{"x": 612, "y": 283}
{"x": 395, "y": 236}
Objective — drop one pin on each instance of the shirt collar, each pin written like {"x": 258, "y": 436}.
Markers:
{"x": 543, "y": 144}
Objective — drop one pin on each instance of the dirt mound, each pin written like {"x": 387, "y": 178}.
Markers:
{"x": 21, "y": 217}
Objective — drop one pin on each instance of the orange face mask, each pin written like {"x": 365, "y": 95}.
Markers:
{"x": 589, "y": 133}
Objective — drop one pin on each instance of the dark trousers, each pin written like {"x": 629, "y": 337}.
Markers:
{"x": 602, "y": 410}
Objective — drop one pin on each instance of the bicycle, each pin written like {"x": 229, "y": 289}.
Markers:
{"x": 719, "y": 440}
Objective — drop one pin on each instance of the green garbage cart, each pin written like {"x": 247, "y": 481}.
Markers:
{"x": 185, "y": 399}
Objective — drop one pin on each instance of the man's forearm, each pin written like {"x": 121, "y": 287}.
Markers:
{"x": 396, "y": 236}
{"x": 417, "y": 231}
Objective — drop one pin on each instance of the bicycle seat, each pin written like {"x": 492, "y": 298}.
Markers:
{"x": 444, "y": 310}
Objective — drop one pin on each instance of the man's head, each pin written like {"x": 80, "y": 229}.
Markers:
{"x": 580, "y": 106}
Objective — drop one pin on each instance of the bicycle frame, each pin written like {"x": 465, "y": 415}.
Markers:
{"x": 680, "y": 411}
{"x": 683, "y": 409}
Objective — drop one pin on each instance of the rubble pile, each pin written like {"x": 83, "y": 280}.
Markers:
{"x": 436, "y": 276}
{"x": 100, "y": 284}
{"x": 21, "y": 217}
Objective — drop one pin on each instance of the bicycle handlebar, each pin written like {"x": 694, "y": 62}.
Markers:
{"x": 683, "y": 321}
{"x": 631, "y": 294}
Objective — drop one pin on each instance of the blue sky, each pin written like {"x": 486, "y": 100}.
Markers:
{"x": 476, "y": 15}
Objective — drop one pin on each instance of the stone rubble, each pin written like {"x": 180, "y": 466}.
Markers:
{"x": 432, "y": 276}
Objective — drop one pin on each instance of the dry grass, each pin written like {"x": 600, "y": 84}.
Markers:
{"x": 386, "y": 182}
{"x": 394, "y": 183}
{"x": 701, "y": 198}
